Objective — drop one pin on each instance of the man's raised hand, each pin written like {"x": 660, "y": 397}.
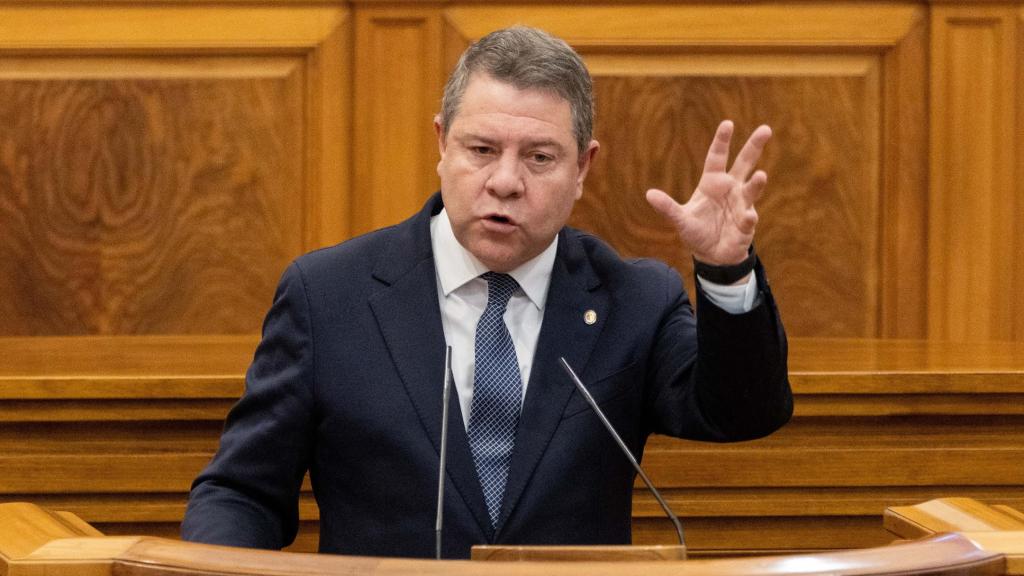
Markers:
{"x": 717, "y": 223}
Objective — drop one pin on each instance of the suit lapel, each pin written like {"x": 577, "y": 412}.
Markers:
{"x": 574, "y": 290}
{"x": 409, "y": 317}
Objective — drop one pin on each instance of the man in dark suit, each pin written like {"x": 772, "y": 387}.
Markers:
{"x": 347, "y": 380}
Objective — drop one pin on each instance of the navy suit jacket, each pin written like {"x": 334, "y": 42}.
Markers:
{"x": 346, "y": 383}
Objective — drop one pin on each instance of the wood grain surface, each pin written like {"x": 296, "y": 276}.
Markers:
{"x": 146, "y": 206}
{"x": 399, "y": 79}
{"x": 974, "y": 202}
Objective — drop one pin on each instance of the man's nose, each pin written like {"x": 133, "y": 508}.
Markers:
{"x": 506, "y": 179}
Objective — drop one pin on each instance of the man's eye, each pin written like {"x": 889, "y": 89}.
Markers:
{"x": 541, "y": 159}
{"x": 482, "y": 150}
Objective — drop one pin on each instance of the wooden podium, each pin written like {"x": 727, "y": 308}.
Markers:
{"x": 37, "y": 542}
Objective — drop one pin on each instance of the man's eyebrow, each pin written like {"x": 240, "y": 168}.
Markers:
{"x": 530, "y": 143}
{"x": 544, "y": 142}
{"x": 465, "y": 135}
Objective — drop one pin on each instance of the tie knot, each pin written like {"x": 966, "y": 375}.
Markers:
{"x": 499, "y": 288}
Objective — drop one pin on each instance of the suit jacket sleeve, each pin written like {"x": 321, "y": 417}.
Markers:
{"x": 248, "y": 495}
{"x": 736, "y": 387}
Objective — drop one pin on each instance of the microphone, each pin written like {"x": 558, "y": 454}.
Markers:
{"x": 625, "y": 450}
{"x": 444, "y": 449}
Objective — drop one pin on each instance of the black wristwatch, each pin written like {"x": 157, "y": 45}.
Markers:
{"x": 726, "y": 275}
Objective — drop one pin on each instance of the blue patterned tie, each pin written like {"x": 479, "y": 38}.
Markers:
{"x": 497, "y": 394}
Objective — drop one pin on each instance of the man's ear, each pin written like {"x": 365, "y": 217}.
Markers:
{"x": 584, "y": 163}
{"x": 439, "y": 130}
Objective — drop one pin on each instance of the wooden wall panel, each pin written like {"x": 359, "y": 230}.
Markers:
{"x": 139, "y": 201}
{"x": 399, "y": 79}
{"x": 148, "y": 192}
{"x": 904, "y": 170}
{"x": 637, "y": 25}
{"x": 1018, "y": 179}
{"x": 974, "y": 240}
{"x": 98, "y": 26}
{"x": 327, "y": 153}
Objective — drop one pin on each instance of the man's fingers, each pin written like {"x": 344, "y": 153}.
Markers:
{"x": 718, "y": 152}
{"x": 750, "y": 153}
{"x": 754, "y": 187}
{"x": 664, "y": 204}
{"x": 741, "y": 204}
{"x": 742, "y": 214}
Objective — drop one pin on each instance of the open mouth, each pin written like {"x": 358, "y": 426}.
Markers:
{"x": 499, "y": 223}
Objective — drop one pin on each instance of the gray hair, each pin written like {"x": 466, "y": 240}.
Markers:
{"x": 526, "y": 58}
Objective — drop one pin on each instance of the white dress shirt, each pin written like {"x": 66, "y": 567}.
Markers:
{"x": 462, "y": 295}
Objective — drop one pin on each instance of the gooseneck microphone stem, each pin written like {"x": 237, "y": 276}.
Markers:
{"x": 444, "y": 449}
{"x": 625, "y": 450}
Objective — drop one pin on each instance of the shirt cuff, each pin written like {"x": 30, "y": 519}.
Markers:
{"x": 734, "y": 299}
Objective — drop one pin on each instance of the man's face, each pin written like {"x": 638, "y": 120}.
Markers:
{"x": 510, "y": 171}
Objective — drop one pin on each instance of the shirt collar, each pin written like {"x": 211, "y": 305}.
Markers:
{"x": 456, "y": 266}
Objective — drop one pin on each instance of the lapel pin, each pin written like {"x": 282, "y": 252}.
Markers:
{"x": 590, "y": 317}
